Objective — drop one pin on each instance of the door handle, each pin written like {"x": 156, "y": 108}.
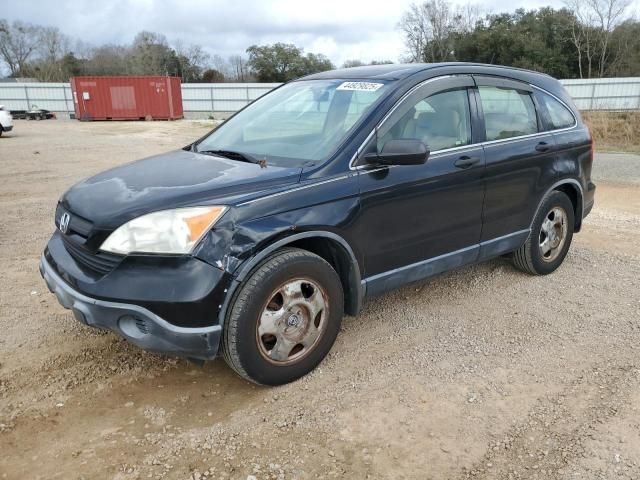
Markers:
{"x": 466, "y": 161}
{"x": 543, "y": 147}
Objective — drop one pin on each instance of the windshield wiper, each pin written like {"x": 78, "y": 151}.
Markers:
{"x": 242, "y": 157}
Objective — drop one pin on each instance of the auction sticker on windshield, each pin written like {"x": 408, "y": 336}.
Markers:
{"x": 360, "y": 86}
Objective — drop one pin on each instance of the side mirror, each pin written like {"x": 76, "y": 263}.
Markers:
{"x": 402, "y": 151}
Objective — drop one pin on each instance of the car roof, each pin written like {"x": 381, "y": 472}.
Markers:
{"x": 403, "y": 70}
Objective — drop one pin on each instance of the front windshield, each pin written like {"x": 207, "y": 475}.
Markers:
{"x": 296, "y": 123}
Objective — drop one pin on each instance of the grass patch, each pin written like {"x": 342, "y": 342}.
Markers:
{"x": 615, "y": 131}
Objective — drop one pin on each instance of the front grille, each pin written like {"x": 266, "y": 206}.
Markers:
{"x": 100, "y": 262}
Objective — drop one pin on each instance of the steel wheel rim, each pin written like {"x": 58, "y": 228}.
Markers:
{"x": 292, "y": 321}
{"x": 553, "y": 234}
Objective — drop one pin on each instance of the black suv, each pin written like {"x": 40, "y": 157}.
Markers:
{"x": 257, "y": 238}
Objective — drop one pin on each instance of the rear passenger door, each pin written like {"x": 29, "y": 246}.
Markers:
{"x": 519, "y": 161}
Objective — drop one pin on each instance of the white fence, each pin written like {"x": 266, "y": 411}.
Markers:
{"x": 605, "y": 93}
{"x": 220, "y": 97}
{"x": 202, "y": 99}
{"x": 56, "y": 97}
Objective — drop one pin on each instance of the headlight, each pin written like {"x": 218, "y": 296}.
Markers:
{"x": 168, "y": 231}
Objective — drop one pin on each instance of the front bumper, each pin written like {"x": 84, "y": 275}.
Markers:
{"x": 133, "y": 322}
{"x": 8, "y": 128}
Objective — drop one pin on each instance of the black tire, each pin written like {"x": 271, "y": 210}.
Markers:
{"x": 243, "y": 348}
{"x": 530, "y": 257}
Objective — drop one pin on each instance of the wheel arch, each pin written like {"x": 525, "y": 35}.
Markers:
{"x": 327, "y": 245}
{"x": 572, "y": 188}
{"x": 574, "y": 192}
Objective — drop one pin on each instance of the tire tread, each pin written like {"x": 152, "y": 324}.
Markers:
{"x": 523, "y": 257}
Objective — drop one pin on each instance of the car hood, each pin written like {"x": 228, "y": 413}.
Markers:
{"x": 170, "y": 180}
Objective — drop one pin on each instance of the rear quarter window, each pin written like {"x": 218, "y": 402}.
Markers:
{"x": 559, "y": 115}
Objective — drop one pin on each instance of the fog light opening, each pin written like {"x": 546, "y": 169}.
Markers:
{"x": 134, "y": 327}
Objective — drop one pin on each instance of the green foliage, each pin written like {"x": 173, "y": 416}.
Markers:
{"x": 150, "y": 54}
{"x": 556, "y": 42}
{"x": 282, "y": 62}
{"x": 212, "y": 75}
{"x": 536, "y": 40}
{"x": 360, "y": 63}
{"x": 626, "y": 54}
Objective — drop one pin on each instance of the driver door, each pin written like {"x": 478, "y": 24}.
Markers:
{"x": 419, "y": 220}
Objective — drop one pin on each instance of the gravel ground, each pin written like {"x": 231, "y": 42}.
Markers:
{"x": 480, "y": 373}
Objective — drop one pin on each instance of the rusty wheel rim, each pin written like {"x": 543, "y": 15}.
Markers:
{"x": 292, "y": 321}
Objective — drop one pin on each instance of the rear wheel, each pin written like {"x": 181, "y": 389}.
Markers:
{"x": 550, "y": 238}
{"x": 284, "y": 319}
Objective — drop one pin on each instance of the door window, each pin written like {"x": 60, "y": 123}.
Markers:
{"x": 507, "y": 112}
{"x": 440, "y": 121}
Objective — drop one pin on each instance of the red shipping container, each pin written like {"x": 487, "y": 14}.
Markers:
{"x": 127, "y": 98}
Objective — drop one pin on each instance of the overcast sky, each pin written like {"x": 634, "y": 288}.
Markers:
{"x": 340, "y": 29}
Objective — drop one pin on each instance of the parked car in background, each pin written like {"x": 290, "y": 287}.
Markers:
{"x": 6, "y": 120}
{"x": 255, "y": 240}
{"x": 34, "y": 113}
{"x": 39, "y": 113}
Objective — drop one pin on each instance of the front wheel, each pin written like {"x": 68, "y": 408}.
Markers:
{"x": 284, "y": 319}
{"x": 550, "y": 238}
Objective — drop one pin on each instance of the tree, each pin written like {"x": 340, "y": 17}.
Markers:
{"x": 211, "y": 75}
{"x": 108, "y": 60}
{"x": 429, "y": 27}
{"x": 192, "y": 60}
{"x": 314, "y": 62}
{"x": 353, "y": 63}
{"x": 360, "y": 63}
{"x": 274, "y": 63}
{"x": 625, "y": 57}
{"x": 240, "y": 70}
{"x": 593, "y": 30}
{"x": 282, "y": 62}
{"x": 71, "y": 66}
{"x": 150, "y": 54}
{"x": 537, "y": 40}
{"x": 18, "y": 42}
{"x": 583, "y": 36}
{"x": 609, "y": 14}
{"x": 54, "y": 47}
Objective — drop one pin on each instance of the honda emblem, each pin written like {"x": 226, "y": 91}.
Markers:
{"x": 64, "y": 222}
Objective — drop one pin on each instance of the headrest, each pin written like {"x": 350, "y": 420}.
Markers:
{"x": 425, "y": 119}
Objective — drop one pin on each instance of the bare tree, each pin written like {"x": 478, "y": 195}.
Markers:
{"x": 18, "y": 42}
{"x": 609, "y": 14}
{"x": 221, "y": 65}
{"x": 415, "y": 26}
{"x": 582, "y": 35}
{"x": 108, "y": 60}
{"x": 54, "y": 45}
{"x": 428, "y": 27}
{"x": 592, "y": 29}
{"x": 239, "y": 68}
{"x": 193, "y": 60}
{"x": 466, "y": 17}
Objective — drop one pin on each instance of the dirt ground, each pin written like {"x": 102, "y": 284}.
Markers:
{"x": 480, "y": 373}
